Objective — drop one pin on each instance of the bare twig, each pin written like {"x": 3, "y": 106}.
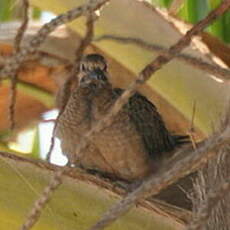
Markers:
{"x": 44, "y": 199}
{"x": 189, "y": 160}
{"x": 65, "y": 91}
{"x": 222, "y": 73}
{"x": 17, "y": 43}
{"x": 13, "y": 97}
{"x": 210, "y": 206}
{"x": 14, "y": 62}
{"x": 23, "y": 27}
{"x": 212, "y": 199}
{"x": 146, "y": 73}
{"x": 57, "y": 178}
{"x": 77, "y": 175}
{"x": 123, "y": 206}
{"x": 79, "y": 52}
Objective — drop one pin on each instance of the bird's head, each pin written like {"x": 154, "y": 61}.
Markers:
{"x": 93, "y": 70}
{"x": 93, "y": 61}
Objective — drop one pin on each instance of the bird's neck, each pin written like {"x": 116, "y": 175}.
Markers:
{"x": 98, "y": 97}
{"x": 95, "y": 90}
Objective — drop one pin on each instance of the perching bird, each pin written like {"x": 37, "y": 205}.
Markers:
{"x": 135, "y": 142}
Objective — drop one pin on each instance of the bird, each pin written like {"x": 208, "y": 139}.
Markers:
{"x": 132, "y": 146}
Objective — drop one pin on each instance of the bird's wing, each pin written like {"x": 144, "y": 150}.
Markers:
{"x": 150, "y": 125}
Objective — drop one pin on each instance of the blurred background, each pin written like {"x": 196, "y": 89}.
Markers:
{"x": 34, "y": 140}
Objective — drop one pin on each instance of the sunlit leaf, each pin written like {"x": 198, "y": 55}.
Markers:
{"x": 6, "y": 10}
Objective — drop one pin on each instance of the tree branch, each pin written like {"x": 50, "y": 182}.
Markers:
{"x": 123, "y": 206}
{"x": 15, "y": 61}
{"x": 222, "y": 73}
{"x": 212, "y": 200}
{"x": 17, "y": 43}
{"x": 56, "y": 181}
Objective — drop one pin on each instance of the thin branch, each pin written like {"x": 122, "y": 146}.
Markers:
{"x": 42, "y": 201}
{"x": 184, "y": 163}
{"x": 77, "y": 175}
{"x": 144, "y": 75}
{"x": 13, "y": 97}
{"x": 40, "y": 204}
{"x": 151, "y": 68}
{"x": 65, "y": 91}
{"x": 22, "y": 29}
{"x": 32, "y": 46}
{"x": 17, "y": 43}
{"x": 183, "y": 42}
{"x": 79, "y": 53}
{"x": 222, "y": 73}
{"x": 212, "y": 200}
{"x": 123, "y": 206}
{"x": 209, "y": 180}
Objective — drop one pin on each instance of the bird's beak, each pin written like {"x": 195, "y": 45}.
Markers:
{"x": 89, "y": 79}
{"x": 93, "y": 77}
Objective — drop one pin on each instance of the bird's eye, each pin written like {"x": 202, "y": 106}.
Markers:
{"x": 82, "y": 67}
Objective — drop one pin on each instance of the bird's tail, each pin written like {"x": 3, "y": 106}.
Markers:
{"x": 181, "y": 139}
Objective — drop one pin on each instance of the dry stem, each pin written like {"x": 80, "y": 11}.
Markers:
{"x": 22, "y": 29}
{"x": 163, "y": 179}
{"x": 184, "y": 163}
{"x": 65, "y": 91}
{"x": 15, "y": 61}
{"x": 205, "y": 210}
{"x": 57, "y": 178}
{"x": 17, "y": 43}
{"x": 123, "y": 206}
{"x": 211, "y": 197}
{"x": 222, "y": 73}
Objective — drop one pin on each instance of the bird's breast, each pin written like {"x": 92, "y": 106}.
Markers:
{"x": 117, "y": 149}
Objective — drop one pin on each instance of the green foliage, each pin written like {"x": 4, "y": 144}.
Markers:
{"x": 36, "y": 92}
{"x": 36, "y": 14}
{"x": 163, "y": 3}
{"x": 194, "y": 10}
{"x": 11, "y": 10}
{"x": 77, "y": 204}
{"x": 6, "y": 10}
{"x": 226, "y": 23}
